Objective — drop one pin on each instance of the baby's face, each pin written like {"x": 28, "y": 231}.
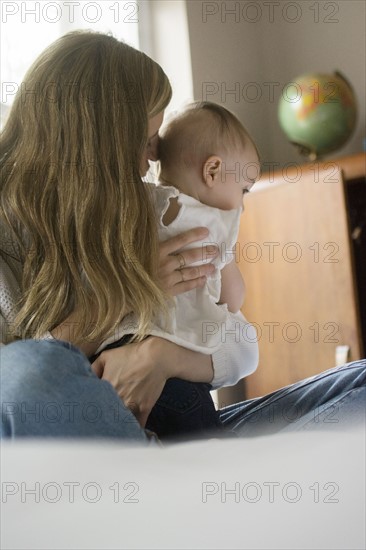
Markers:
{"x": 239, "y": 171}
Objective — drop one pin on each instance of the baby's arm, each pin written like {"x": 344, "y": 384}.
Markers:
{"x": 232, "y": 287}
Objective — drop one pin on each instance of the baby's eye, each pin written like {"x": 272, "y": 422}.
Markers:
{"x": 245, "y": 191}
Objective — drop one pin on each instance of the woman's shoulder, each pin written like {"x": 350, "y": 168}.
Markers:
{"x": 10, "y": 279}
{"x": 8, "y": 242}
{"x": 10, "y": 284}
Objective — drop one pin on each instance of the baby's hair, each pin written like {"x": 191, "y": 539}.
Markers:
{"x": 202, "y": 129}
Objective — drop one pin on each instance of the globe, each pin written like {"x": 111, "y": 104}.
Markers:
{"x": 318, "y": 113}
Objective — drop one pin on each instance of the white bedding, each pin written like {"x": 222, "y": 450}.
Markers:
{"x": 300, "y": 490}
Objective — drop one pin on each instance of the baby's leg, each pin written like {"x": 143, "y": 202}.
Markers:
{"x": 185, "y": 411}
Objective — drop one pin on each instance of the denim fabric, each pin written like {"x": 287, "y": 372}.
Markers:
{"x": 333, "y": 399}
{"x": 49, "y": 390}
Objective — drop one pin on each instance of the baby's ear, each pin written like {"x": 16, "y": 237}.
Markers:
{"x": 212, "y": 170}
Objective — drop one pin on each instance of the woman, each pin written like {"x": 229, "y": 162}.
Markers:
{"x": 80, "y": 251}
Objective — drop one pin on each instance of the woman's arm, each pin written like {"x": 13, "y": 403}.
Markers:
{"x": 138, "y": 371}
{"x": 173, "y": 278}
{"x": 65, "y": 331}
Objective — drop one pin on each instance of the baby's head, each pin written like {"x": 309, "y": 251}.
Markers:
{"x": 206, "y": 152}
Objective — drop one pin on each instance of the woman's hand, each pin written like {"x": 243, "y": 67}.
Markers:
{"x": 135, "y": 372}
{"x": 138, "y": 371}
{"x": 175, "y": 273}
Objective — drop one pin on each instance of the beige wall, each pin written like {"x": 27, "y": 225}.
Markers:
{"x": 168, "y": 43}
{"x": 229, "y": 52}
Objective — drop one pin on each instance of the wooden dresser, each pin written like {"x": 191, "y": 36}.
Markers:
{"x": 302, "y": 253}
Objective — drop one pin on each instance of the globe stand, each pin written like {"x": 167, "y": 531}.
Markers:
{"x": 305, "y": 151}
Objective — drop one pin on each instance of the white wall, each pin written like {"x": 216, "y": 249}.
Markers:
{"x": 254, "y": 44}
{"x": 164, "y": 37}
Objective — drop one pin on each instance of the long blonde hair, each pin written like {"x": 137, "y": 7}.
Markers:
{"x": 71, "y": 190}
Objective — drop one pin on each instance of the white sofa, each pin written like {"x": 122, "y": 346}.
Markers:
{"x": 295, "y": 490}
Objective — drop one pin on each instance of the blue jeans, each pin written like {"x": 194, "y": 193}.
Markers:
{"x": 49, "y": 390}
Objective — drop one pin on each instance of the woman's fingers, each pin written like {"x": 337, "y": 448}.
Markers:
{"x": 204, "y": 254}
{"x": 192, "y": 273}
{"x": 179, "y": 242}
{"x": 182, "y": 280}
{"x": 185, "y": 286}
{"x": 184, "y": 259}
{"x": 177, "y": 270}
{"x": 98, "y": 366}
{"x": 135, "y": 372}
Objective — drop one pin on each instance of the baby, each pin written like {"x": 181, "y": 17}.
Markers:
{"x": 207, "y": 163}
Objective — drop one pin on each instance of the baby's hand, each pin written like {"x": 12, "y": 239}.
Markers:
{"x": 232, "y": 287}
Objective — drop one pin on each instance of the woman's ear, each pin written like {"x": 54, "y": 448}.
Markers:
{"x": 211, "y": 170}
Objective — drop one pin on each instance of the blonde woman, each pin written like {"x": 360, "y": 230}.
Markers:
{"x": 79, "y": 250}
